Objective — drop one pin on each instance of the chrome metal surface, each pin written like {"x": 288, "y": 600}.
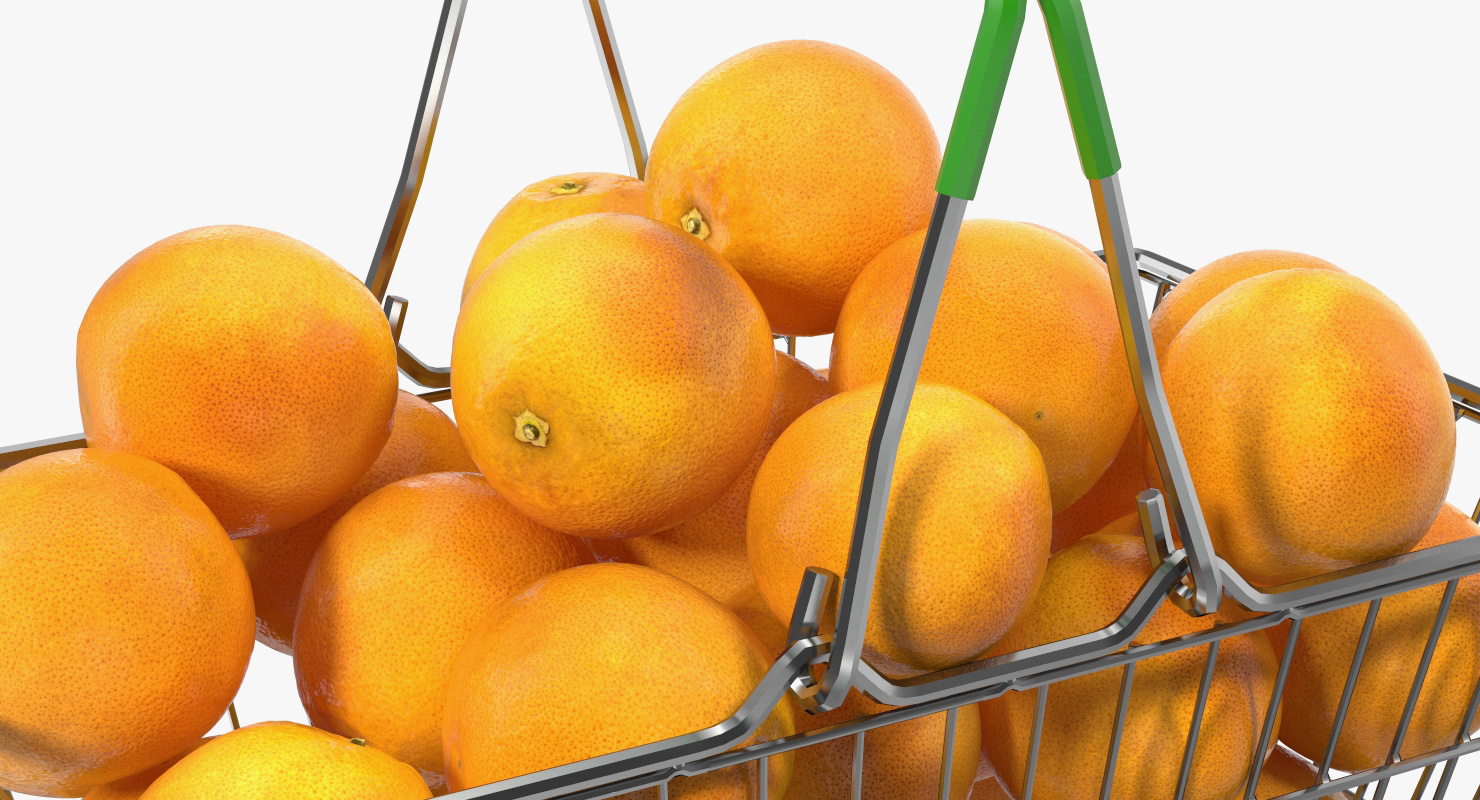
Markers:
{"x": 1419, "y": 674}
{"x": 856, "y": 767}
{"x": 1324, "y": 770}
{"x": 1155, "y": 413}
{"x": 868, "y": 526}
{"x": 1197, "y": 714}
{"x": 616, "y": 86}
{"x": 1035, "y": 738}
{"x": 947, "y": 753}
{"x": 1266, "y": 733}
{"x": 1128, "y": 677}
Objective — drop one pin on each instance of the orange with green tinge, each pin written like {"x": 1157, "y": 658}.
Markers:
{"x": 552, "y": 200}
{"x": 422, "y": 440}
{"x": 394, "y": 591}
{"x": 965, "y": 538}
{"x": 1026, "y": 322}
{"x": 708, "y": 550}
{"x": 798, "y": 161}
{"x": 246, "y": 361}
{"x": 611, "y": 375}
{"x": 598, "y": 659}
{"x": 288, "y": 761}
{"x": 125, "y": 620}
{"x": 1087, "y": 586}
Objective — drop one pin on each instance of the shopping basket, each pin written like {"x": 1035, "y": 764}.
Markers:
{"x": 1191, "y": 576}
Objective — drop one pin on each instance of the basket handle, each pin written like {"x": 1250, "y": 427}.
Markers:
{"x": 960, "y": 172}
{"x": 986, "y": 80}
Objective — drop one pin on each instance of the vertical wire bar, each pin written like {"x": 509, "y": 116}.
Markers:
{"x": 1423, "y": 782}
{"x": 413, "y": 170}
{"x": 1037, "y": 736}
{"x": 1125, "y": 699}
{"x": 616, "y": 86}
{"x": 1256, "y": 762}
{"x": 1362, "y": 790}
{"x": 858, "y": 765}
{"x": 1324, "y": 774}
{"x": 663, "y": 791}
{"x": 791, "y": 346}
{"x": 1197, "y": 715}
{"x": 946, "y": 754}
{"x": 1418, "y": 678}
{"x": 235, "y": 723}
{"x": 763, "y": 789}
{"x": 1463, "y": 735}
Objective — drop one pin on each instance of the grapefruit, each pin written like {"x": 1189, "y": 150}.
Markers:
{"x": 798, "y": 161}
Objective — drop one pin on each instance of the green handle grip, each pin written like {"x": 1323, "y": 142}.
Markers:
{"x": 986, "y": 79}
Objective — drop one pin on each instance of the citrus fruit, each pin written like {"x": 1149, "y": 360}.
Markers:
{"x": 1323, "y": 657}
{"x": 422, "y": 440}
{"x": 1111, "y": 497}
{"x": 611, "y": 375}
{"x": 134, "y": 786}
{"x": 125, "y": 620}
{"x": 393, "y": 592}
{"x": 552, "y": 200}
{"x": 708, "y": 550}
{"x": 601, "y": 658}
{"x": 246, "y": 361}
{"x": 1193, "y": 292}
{"x": 797, "y": 161}
{"x": 901, "y": 760}
{"x": 1284, "y": 772}
{"x": 965, "y": 536}
{"x": 288, "y": 761}
{"x": 1087, "y": 586}
{"x": 1316, "y": 423}
{"x": 1027, "y": 322}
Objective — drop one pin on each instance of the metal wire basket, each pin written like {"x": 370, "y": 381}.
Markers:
{"x": 1192, "y": 576}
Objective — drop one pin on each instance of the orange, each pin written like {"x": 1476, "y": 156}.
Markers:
{"x": 1113, "y": 495}
{"x": 394, "y": 590}
{"x": 611, "y": 375}
{"x": 552, "y": 200}
{"x": 1323, "y": 657}
{"x": 288, "y": 761}
{"x": 1027, "y": 322}
{"x": 246, "y": 361}
{"x": 1315, "y": 420}
{"x": 708, "y": 550}
{"x": 965, "y": 537}
{"x": 1087, "y": 586}
{"x": 798, "y": 161}
{"x": 1285, "y": 772}
{"x": 422, "y": 440}
{"x": 901, "y": 761}
{"x": 134, "y": 786}
{"x": 125, "y": 620}
{"x": 598, "y": 659}
{"x": 1194, "y": 292}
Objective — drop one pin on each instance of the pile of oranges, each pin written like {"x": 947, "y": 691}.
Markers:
{"x": 605, "y": 549}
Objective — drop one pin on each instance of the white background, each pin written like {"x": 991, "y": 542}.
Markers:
{"x": 1341, "y": 129}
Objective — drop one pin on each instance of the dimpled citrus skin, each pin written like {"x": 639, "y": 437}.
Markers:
{"x": 1194, "y": 291}
{"x": 1315, "y": 420}
{"x": 644, "y": 353}
{"x": 708, "y": 550}
{"x": 1113, "y": 495}
{"x": 1087, "y": 586}
{"x": 125, "y": 620}
{"x": 1027, "y": 322}
{"x": 393, "y": 592}
{"x": 805, "y": 159}
{"x": 246, "y": 361}
{"x": 602, "y": 658}
{"x": 1323, "y": 656}
{"x": 134, "y": 786}
{"x": 422, "y": 440}
{"x": 287, "y": 761}
{"x": 547, "y": 201}
{"x": 965, "y": 538}
{"x": 901, "y": 761}
{"x": 1285, "y": 772}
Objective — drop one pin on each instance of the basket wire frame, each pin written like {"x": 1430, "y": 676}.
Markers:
{"x": 1184, "y": 576}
